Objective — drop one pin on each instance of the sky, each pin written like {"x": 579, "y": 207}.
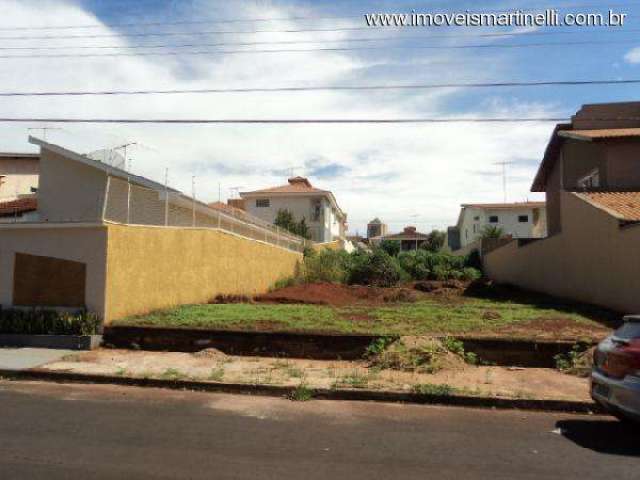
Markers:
{"x": 405, "y": 174}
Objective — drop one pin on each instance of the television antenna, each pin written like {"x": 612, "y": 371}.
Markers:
{"x": 504, "y": 178}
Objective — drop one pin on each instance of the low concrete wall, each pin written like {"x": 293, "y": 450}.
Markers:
{"x": 591, "y": 260}
{"x": 150, "y": 268}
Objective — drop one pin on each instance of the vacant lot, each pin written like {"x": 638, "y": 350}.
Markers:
{"x": 376, "y": 312}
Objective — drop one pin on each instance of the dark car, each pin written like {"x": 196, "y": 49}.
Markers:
{"x": 615, "y": 377}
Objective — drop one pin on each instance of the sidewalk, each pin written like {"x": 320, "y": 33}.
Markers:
{"x": 25, "y": 358}
{"x": 211, "y": 370}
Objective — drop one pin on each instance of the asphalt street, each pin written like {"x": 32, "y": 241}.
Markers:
{"x": 52, "y": 431}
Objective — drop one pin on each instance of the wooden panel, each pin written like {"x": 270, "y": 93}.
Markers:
{"x": 48, "y": 281}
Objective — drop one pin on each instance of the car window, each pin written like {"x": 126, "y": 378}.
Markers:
{"x": 628, "y": 331}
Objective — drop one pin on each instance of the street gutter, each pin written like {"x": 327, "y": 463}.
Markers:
{"x": 567, "y": 406}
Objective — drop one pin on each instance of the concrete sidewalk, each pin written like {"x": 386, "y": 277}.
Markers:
{"x": 25, "y": 358}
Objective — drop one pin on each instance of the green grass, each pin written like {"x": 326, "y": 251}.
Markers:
{"x": 419, "y": 318}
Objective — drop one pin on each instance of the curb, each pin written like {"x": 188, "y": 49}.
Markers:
{"x": 566, "y": 406}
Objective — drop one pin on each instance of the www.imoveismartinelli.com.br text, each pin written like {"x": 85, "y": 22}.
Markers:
{"x": 517, "y": 18}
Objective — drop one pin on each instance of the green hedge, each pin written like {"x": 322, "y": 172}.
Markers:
{"x": 47, "y": 322}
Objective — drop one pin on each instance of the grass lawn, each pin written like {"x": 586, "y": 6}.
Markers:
{"x": 469, "y": 315}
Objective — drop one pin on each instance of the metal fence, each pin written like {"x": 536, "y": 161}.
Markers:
{"x": 133, "y": 204}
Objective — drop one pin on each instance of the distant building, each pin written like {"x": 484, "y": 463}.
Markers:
{"x": 19, "y": 177}
{"x": 409, "y": 239}
{"x": 375, "y": 228}
{"x": 325, "y": 219}
{"x": 518, "y": 220}
{"x": 19, "y": 174}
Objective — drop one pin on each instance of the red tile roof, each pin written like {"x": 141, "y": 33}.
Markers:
{"x": 506, "y": 205}
{"x": 295, "y": 185}
{"x": 600, "y": 133}
{"x": 18, "y": 207}
{"x": 622, "y": 205}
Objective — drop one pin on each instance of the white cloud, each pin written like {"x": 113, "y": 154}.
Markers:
{"x": 402, "y": 173}
{"x": 633, "y": 55}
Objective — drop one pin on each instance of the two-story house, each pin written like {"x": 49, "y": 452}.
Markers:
{"x": 325, "y": 219}
{"x": 590, "y": 174}
{"x": 518, "y": 220}
{"x": 19, "y": 177}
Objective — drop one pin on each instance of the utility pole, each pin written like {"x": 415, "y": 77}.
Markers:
{"x": 193, "y": 196}
{"x": 166, "y": 197}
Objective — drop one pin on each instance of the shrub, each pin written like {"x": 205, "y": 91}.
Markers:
{"x": 470, "y": 273}
{"x": 326, "y": 266}
{"x": 377, "y": 268}
{"x": 47, "y": 322}
{"x": 391, "y": 247}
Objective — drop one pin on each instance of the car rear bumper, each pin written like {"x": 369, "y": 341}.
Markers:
{"x": 621, "y": 395}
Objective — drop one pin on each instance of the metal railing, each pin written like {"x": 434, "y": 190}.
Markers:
{"x": 132, "y": 204}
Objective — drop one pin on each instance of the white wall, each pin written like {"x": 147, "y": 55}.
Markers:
{"x": 300, "y": 206}
{"x": 471, "y": 229}
{"x": 20, "y": 174}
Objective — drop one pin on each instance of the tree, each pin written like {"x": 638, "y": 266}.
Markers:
{"x": 392, "y": 247}
{"x": 434, "y": 242}
{"x": 285, "y": 219}
{"x": 491, "y": 231}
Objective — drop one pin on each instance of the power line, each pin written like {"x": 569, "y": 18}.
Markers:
{"x": 213, "y": 21}
{"x": 427, "y": 86}
{"x": 295, "y": 42}
{"x": 327, "y": 49}
{"x": 293, "y": 121}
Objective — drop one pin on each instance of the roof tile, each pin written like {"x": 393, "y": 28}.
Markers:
{"x": 622, "y": 205}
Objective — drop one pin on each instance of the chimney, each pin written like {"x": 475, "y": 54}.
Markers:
{"x": 299, "y": 180}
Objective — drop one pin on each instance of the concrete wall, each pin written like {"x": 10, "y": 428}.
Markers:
{"x": 151, "y": 268}
{"x": 591, "y": 260}
{"x": 69, "y": 190}
{"x": 69, "y": 242}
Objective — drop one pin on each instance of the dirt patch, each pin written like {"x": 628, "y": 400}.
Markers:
{"x": 553, "y": 328}
{"x": 337, "y": 295}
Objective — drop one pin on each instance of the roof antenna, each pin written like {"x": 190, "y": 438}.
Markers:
{"x": 504, "y": 178}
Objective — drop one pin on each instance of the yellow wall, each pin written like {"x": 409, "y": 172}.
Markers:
{"x": 592, "y": 259}
{"x": 150, "y": 268}
{"x": 335, "y": 245}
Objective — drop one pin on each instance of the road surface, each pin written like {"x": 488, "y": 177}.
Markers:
{"x": 54, "y": 431}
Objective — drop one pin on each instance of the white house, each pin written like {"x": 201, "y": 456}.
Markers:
{"x": 326, "y": 221}
{"x": 520, "y": 220}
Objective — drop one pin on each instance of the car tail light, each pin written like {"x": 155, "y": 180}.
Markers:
{"x": 622, "y": 360}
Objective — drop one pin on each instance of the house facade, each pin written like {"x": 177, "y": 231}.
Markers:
{"x": 409, "y": 239}
{"x": 591, "y": 178}
{"x": 119, "y": 244}
{"x": 325, "y": 219}
{"x": 518, "y": 220}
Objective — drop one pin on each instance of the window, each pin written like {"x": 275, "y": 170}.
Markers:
{"x": 263, "y": 203}
{"x": 493, "y": 219}
{"x": 523, "y": 218}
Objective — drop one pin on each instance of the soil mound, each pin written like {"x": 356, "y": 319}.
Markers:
{"x": 417, "y": 354}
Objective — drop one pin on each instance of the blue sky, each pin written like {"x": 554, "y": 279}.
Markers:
{"x": 405, "y": 174}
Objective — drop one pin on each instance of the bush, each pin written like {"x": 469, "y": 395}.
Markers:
{"x": 377, "y": 268}
{"x": 47, "y": 322}
{"x": 471, "y": 274}
{"x": 391, "y": 247}
{"x": 326, "y": 266}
